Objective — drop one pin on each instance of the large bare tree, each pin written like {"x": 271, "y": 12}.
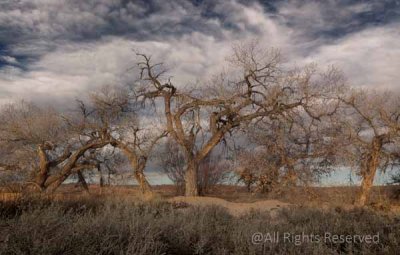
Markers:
{"x": 214, "y": 169}
{"x": 45, "y": 145}
{"x": 371, "y": 134}
{"x": 258, "y": 87}
{"x": 293, "y": 149}
{"x": 138, "y": 150}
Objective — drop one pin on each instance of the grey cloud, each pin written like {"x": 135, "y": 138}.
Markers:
{"x": 82, "y": 20}
{"x": 336, "y": 18}
{"x": 30, "y": 29}
{"x": 9, "y": 60}
{"x": 369, "y": 57}
{"x": 45, "y": 24}
{"x": 66, "y": 48}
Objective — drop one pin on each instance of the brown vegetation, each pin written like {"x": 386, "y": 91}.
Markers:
{"x": 87, "y": 225}
{"x": 274, "y": 128}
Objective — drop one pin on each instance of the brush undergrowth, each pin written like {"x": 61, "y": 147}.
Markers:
{"x": 122, "y": 227}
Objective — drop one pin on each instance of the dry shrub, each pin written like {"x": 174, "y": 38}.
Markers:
{"x": 97, "y": 227}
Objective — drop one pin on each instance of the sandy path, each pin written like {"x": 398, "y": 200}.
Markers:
{"x": 235, "y": 209}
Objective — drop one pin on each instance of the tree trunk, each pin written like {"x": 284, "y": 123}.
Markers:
{"x": 43, "y": 171}
{"x": 144, "y": 185}
{"x": 82, "y": 181}
{"x": 101, "y": 181}
{"x": 55, "y": 184}
{"x": 248, "y": 185}
{"x": 45, "y": 165}
{"x": 366, "y": 185}
{"x": 191, "y": 188}
{"x": 55, "y": 181}
{"x": 138, "y": 165}
{"x": 368, "y": 172}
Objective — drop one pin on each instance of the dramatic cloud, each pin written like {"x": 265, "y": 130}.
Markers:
{"x": 369, "y": 58}
{"x": 53, "y": 51}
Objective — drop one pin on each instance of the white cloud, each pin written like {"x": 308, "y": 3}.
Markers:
{"x": 368, "y": 58}
{"x": 69, "y": 68}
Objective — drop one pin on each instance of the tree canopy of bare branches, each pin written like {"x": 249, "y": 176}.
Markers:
{"x": 46, "y": 145}
{"x": 370, "y": 123}
{"x": 262, "y": 90}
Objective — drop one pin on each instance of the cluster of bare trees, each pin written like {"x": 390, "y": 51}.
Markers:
{"x": 298, "y": 124}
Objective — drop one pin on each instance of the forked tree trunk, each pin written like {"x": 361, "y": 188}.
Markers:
{"x": 42, "y": 174}
{"x": 138, "y": 165}
{"x": 191, "y": 188}
{"x": 55, "y": 181}
{"x": 51, "y": 188}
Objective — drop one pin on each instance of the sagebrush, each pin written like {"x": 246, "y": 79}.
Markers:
{"x": 99, "y": 227}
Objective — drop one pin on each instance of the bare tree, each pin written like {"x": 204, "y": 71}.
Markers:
{"x": 395, "y": 180}
{"x": 371, "y": 134}
{"x": 45, "y": 145}
{"x": 138, "y": 152}
{"x": 11, "y": 173}
{"x": 254, "y": 168}
{"x": 213, "y": 170}
{"x": 263, "y": 90}
{"x": 246, "y": 174}
{"x": 296, "y": 150}
{"x": 30, "y": 131}
{"x": 172, "y": 161}
{"x": 128, "y": 133}
{"x": 108, "y": 162}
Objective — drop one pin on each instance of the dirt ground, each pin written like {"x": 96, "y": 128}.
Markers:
{"x": 235, "y": 198}
{"x": 236, "y": 209}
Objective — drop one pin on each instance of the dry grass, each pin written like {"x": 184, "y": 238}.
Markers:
{"x": 94, "y": 225}
{"x": 116, "y": 220}
{"x": 382, "y": 197}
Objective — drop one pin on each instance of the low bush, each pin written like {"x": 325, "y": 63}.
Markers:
{"x": 44, "y": 227}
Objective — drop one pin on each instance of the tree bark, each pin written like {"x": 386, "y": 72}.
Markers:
{"x": 368, "y": 173}
{"x": 248, "y": 186}
{"x": 45, "y": 165}
{"x": 366, "y": 185}
{"x": 138, "y": 165}
{"x": 55, "y": 181}
{"x": 101, "y": 181}
{"x": 82, "y": 181}
{"x": 144, "y": 185}
{"x": 42, "y": 174}
{"x": 191, "y": 188}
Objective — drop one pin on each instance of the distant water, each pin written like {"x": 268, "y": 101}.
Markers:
{"x": 344, "y": 176}
{"x": 339, "y": 177}
{"x": 154, "y": 178}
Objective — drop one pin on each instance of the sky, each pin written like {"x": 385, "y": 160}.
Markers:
{"x": 53, "y": 51}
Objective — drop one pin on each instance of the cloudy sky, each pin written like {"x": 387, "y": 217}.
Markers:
{"x": 53, "y": 50}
